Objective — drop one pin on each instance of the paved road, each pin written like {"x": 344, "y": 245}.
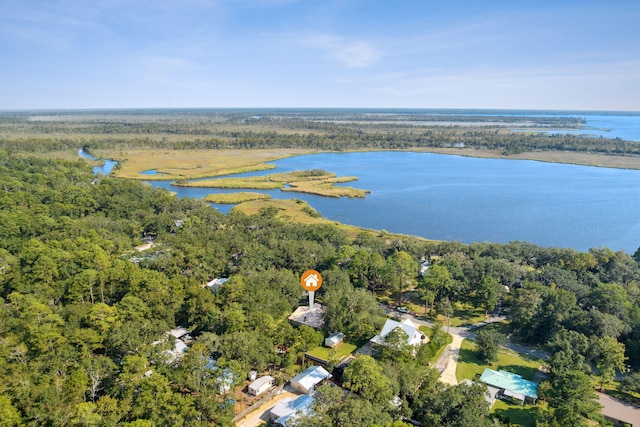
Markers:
{"x": 619, "y": 410}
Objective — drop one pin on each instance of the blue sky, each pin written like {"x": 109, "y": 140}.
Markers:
{"x": 561, "y": 54}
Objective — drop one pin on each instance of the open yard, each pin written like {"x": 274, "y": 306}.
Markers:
{"x": 516, "y": 415}
{"x": 469, "y": 365}
{"x": 463, "y": 313}
{"x": 336, "y": 354}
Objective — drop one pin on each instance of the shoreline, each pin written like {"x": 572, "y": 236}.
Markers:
{"x": 562, "y": 157}
{"x": 181, "y": 171}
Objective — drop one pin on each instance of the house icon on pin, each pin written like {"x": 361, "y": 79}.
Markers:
{"x": 311, "y": 281}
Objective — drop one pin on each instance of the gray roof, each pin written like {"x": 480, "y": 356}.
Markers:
{"x": 288, "y": 407}
{"x": 311, "y": 376}
{"x": 260, "y": 382}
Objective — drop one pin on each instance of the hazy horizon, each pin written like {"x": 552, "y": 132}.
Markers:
{"x": 256, "y": 54}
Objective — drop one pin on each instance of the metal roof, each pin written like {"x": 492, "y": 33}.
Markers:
{"x": 511, "y": 382}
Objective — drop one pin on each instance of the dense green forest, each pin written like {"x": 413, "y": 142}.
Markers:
{"x": 84, "y": 317}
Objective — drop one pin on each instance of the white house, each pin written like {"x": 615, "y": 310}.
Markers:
{"x": 424, "y": 267}
{"x": 215, "y": 284}
{"x": 414, "y": 335}
{"x": 261, "y": 385}
{"x": 306, "y": 381}
{"x": 288, "y": 408}
{"x": 176, "y": 353}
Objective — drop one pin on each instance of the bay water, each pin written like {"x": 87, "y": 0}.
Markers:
{"x": 467, "y": 199}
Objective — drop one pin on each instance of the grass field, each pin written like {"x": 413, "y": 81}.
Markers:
{"x": 294, "y": 210}
{"x": 516, "y": 414}
{"x": 235, "y": 198}
{"x": 188, "y": 164}
{"x": 340, "y": 352}
{"x": 469, "y": 366}
{"x": 319, "y": 182}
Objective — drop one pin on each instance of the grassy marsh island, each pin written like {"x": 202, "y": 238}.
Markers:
{"x": 191, "y": 164}
{"x": 235, "y": 198}
{"x": 314, "y": 181}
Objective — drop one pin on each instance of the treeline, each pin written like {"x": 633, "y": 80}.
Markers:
{"x": 334, "y": 132}
{"x": 83, "y": 317}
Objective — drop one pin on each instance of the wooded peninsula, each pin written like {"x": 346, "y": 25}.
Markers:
{"x": 90, "y": 325}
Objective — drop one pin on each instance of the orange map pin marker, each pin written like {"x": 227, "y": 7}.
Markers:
{"x": 311, "y": 280}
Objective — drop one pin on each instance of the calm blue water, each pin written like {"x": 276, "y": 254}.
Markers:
{"x": 476, "y": 200}
{"x": 104, "y": 169}
{"x": 626, "y": 127}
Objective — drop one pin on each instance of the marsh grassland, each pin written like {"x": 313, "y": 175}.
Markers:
{"x": 316, "y": 181}
{"x": 190, "y": 164}
{"x": 235, "y": 198}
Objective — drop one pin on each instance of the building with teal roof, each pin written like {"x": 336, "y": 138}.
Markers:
{"x": 512, "y": 385}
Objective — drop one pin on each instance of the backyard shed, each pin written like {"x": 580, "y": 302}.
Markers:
{"x": 261, "y": 385}
{"x": 334, "y": 340}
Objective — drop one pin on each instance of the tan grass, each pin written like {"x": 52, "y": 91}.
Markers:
{"x": 189, "y": 164}
{"x": 327, "y": 188}
{"x": 235, "y": 198}
{"x": 294, "y": 210}
{"x": 567, "y": 157}
{"x": 320, "y": 183}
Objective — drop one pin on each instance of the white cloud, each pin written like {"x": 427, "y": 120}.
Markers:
{"x": 351, "y": 53}
{"x": 165, "y": 69}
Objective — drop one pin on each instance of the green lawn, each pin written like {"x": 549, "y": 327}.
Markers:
{"x": 463, "y": 313}
{"x": 341, "y": 352}
{"x": 469, "y": 365}
{"x": 516, "y": 414}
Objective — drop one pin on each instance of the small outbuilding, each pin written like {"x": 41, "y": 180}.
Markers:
{"x": 260, "y": 385}
{"x": 334, "y": 340}
{"x": 306, "y": 381}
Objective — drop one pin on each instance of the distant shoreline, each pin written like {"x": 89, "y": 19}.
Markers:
{"x": 564, "y": 157}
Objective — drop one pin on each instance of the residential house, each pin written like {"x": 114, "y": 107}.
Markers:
{"x": 414, "y": 335}
{"x": 215, "y": 284}
{"x": 287, "y": 409}
{"x": 306, "y": 381}
{"x": 511, "y": 385}
{"x": 490, "y": 396}
{"x": 225, "y": 378}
